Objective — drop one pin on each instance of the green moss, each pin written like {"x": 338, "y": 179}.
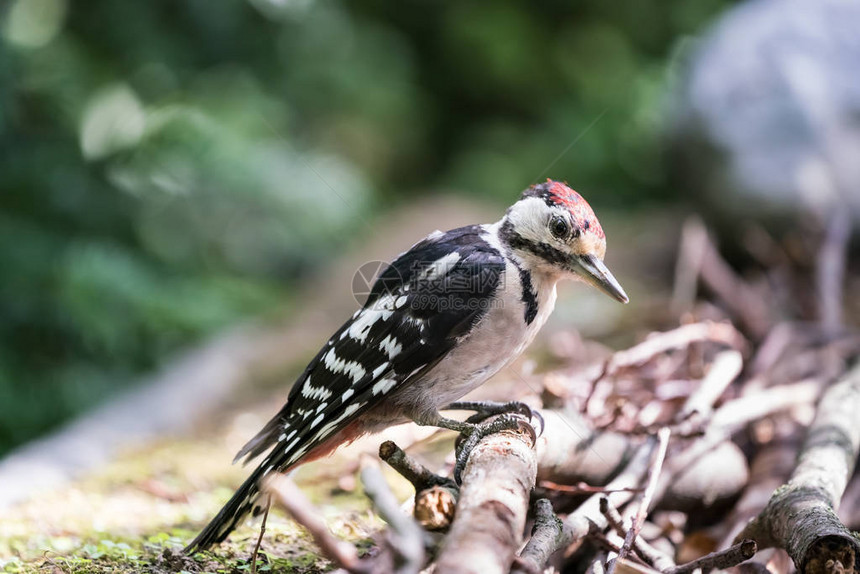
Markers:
{"x": 136, "y": 515}
{"x": 284, "y": 550}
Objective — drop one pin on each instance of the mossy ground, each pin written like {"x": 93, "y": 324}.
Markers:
{"x": 137, "y": 513}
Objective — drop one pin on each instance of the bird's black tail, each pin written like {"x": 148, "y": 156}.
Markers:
{"x": 244, "y": 501}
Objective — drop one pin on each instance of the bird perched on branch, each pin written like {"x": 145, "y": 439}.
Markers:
{"x": 439, "y": 321}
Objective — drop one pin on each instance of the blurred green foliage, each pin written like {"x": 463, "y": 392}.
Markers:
{"x": 170, "y": 167}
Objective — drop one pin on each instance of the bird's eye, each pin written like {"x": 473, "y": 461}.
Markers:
{"x": 559, "y": 227}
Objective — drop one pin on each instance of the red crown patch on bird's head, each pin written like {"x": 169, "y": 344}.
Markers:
{"x": 558, "y": 193}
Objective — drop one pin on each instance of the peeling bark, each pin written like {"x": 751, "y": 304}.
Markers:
{"x": 491, "y": 513}
{"x": 800, "y": 516}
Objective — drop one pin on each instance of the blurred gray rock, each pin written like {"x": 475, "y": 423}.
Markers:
{"x": 769, "y": 110}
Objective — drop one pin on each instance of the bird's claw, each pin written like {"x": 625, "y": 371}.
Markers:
{"x": 486, "y": 409}
{"x": 469, "y": 440}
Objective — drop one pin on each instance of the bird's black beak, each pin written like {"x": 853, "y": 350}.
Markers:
{"x": 594, "y": 272}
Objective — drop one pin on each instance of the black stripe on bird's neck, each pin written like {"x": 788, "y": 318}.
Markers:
{"x": 545, "y": 251}
{"x": 529, "y": 295}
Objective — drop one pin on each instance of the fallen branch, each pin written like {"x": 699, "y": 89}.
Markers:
{"x": 404, "y": 539}
{"x": 726, "y": 367}
{"x": 700, "y": 258}
{"x": 547, "y": 537}
{"x": 491, "y": 513}
{"x": 587, "y": 519}
{"x": 735, "y": 414}
{"x": 679, "y": 338}
{"x": 286, "y": 495}
{"x": 402, "y": 550}
{"x": 800, "y": 516}
{"x": 720, "y": 560}
{"x": 770, "y": 468}
{"x": 435, "y": 496}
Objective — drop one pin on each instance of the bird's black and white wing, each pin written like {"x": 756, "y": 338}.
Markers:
{"x": 419, "y": 307}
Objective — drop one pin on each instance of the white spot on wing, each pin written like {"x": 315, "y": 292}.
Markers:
{"x": 383, "y": 386}
{"x": 360, "y": 328}
{"x": 289, "y": 447}
{"x": 441, "y": 266}
{"x": 380, "y": 369}
{"x": 297, "y": 455}
{"x": 346, "y": 394}
{"x": 311, "y": 392}
{"x": 391, "y": 346}
{"x": 351, "y": 369}
{"x": 351, "y": 409}
{"x": 327, "y": 428}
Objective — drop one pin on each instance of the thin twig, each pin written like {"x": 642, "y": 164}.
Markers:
{"x": 603, "y": 540}
{"x": 583, "y": 488}
{"x": 736, "y": 413}
{"x": 587, "y": 519}
{"x": 260, "y": 537}
{"x": 720, "y": 560}
{"x": 405, "y": 537}
{"x": 409, "y": 468}
{"x": 688, "y": 266}
{"x": 749, "y": 307}
{"x": 726, "y": 367}
{"x": 651, "y": 486}
{"x": 830, "y": 272}
{"x": 648, "y": 553}
{"x": 288, "y": 496}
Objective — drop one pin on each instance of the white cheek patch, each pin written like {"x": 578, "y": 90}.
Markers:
{"x": 530, "y": 217}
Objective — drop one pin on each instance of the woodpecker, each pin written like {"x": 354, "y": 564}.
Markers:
{"x": 444, "y": 317}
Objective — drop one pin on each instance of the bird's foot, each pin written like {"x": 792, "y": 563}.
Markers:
{"x": 486, "y": 409}
{"x": 469, "y": 439}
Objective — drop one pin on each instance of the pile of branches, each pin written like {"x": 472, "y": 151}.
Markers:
{"x": 709, "y": 446}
